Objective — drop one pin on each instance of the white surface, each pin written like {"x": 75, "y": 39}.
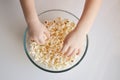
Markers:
{"x": 102, "y": 61}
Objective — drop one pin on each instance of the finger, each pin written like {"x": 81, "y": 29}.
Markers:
{"x": 31, "y": 39}
{"x": 47, "y": 34}
{"x": 78, "y": 51}
{"x": 74, "y": 52}
{"x": 45, "y": 37}
{"x": 69, "y": 51}
{"x": 41, "y": 41}
{"x": 64, "y": 48}
{"x": 36, "y": 40}
{"x": 47, "y": 31}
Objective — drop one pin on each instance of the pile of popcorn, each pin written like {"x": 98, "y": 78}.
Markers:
{"x": 49, "y": 54}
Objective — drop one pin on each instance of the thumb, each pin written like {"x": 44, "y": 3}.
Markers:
{"x": 41, "y": 41}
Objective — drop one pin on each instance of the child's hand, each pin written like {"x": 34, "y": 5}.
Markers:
{"x": 73, "y": 43}
{"x": 38, "y": 32}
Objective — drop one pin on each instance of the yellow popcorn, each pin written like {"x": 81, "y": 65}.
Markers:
{"x": 49, "y": 54}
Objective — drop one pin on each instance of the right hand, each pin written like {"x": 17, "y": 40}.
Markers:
{"x": 38, "y": 32}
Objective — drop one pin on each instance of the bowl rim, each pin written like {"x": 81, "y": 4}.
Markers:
{"x": 60, "y": 10}
{"x": 27, "y": 53}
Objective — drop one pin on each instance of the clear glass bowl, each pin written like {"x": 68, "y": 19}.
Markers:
{"x": 50, "y": 15}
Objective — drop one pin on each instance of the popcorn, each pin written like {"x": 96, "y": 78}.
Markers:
{"x": 49, "y": 54}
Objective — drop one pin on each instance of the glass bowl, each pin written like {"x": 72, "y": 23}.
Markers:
{"x": 50, "y": 15}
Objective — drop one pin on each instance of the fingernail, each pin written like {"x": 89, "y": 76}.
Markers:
{"x": 66, "y": 54}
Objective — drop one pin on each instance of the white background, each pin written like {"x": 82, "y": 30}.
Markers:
{"x": 102, "y": 61}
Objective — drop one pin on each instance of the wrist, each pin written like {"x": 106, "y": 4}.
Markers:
{"x": 31, "y": 18}
{"x": 32, "y": 21}
{"x": 81, "y": 29}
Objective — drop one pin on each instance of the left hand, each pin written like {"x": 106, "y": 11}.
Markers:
{"x": 73, "y": 43}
